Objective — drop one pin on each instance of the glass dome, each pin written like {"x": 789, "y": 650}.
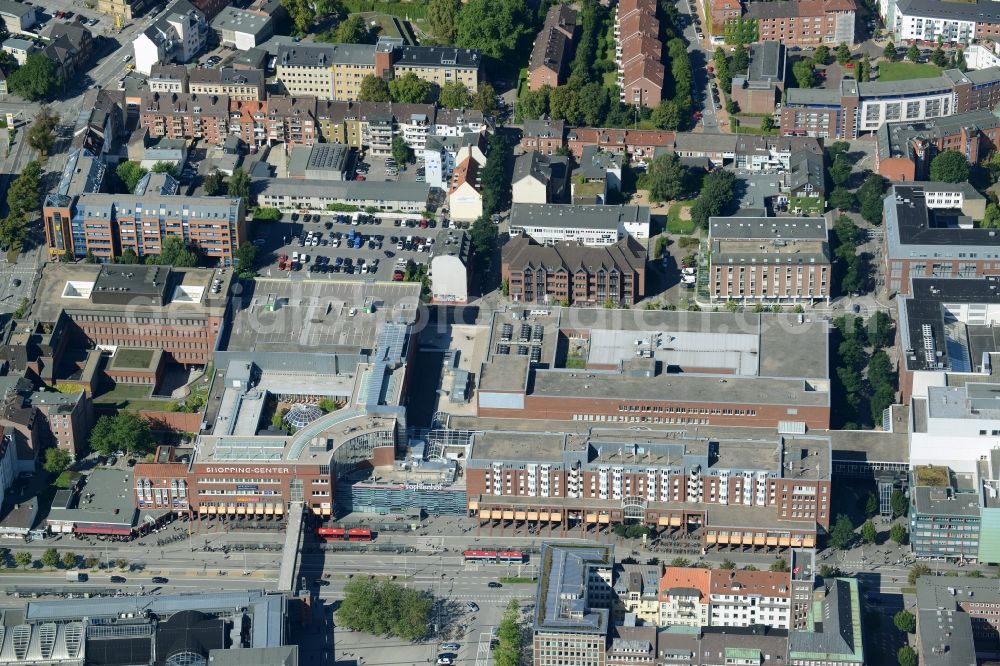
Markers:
{"x": 186, "y": 658}
{"x": 301, "y": 415}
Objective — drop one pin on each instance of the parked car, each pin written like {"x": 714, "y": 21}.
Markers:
{"x": 160, "y": 580}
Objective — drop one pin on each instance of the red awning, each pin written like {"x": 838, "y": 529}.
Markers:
{"x": 113, "y": 531}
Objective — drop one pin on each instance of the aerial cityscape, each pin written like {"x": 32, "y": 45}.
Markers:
{"x": 500, "y": 333}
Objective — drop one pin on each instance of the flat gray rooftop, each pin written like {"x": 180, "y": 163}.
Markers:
{"x": 288, "y": 315}
{"x": 678, "y": 387}
{"x": 529, "y": 447}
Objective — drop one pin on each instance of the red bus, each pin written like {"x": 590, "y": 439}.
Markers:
{"x": 331, "y": 533}
{"x": 503, "y": 556}
{"x": 341, "y": 534}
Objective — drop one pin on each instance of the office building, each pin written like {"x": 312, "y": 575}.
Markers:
{"x": 586, "y": 225}
{"x": 805, "y": 23}
{"x": 568, "y": 273}
{"x": 242, "y": 29}
{"x": 769, "y": 259}
{"x": 929, "y": 232}
{"x": 853, "y": 108}
{"x": 905, "y": 150}
{"x": 670, "y": 368}
{"x": 572, "y": 611}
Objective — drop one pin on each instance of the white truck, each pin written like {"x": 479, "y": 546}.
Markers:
{"x": 76, "y": 576}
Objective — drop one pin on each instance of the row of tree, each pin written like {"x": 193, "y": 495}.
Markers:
{"x": 853, "y": 339}
{"x": 718, "y": 190}
{"x": 24, "y": 198}
{"x": 509, "y": 644}
{"x": 383, "y": 608}
{"x": 411, "y": 89}
{"x": 496, "y": 192}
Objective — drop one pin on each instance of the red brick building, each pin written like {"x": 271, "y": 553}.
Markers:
{"x": 544, "y": 136}
{"x": 729, "y": 492}
{"x": 553, "y": 48}
{"x": 723, "y": 12}
{"x": 905, "y": 150}
{"x": 186, "y": 116}
{"x": 638, "y": 52}
{"x": 575, "y": 274}
{"x": 805, "y": 23}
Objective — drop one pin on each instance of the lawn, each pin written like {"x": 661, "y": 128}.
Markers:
{"x": 132, "y": 358}
{"x": 679, "y": 219}
{"x": 902, "y": 71}
{"x": 808, "y": 205}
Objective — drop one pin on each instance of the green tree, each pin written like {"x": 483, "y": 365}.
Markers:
{"x": 455, "y": 95}
{"x": 717, "y": 192}
{"x": 385, "y": 608}
{"x": 898, "y": 534}
{"x": 173, "y": 252}
{"x": 938, "y": 57}
{"x": 727, "y": 564}
{"x": 37, "y": 79}
{"x": 879, "y": 330}
{"x": 592, "y": 103}
{"x": 246, "y": 260}
{"x": 680, "y": 562}
{"x": 509, "y": 632}
{"x": 871, "y": 505}
{"x": 740, "y": 61}
{"x": 91, "y": 562}
{"x": 916, "y": 571}
{"x": 23, "y": 559}
{"x": 128, "y": 256}
{"x": 889, "y": 51}
{"x": 870, "y": 198}
{"x": 50, "y": 558}
{"x": 828, "y": 571}
{"x": 125, "y": 431}
{"x": 533, "y": 104}
{"x": 485, "y": 100}
{"x": 950, "y": 166}
{"x": 842, "y": 533}
{"x": 327, "y": 405}
{"x": 353, "y": 30}
{"x": 302, "y": 14}
{"x": 213, "y": 183}
{"x": 56, "y": 461}
{"x": 843, "y": 53}
{"x": 906, "y": 656}
{"x": 400, "y": 151}
{"x": 913, "y": 53}
{"x": 900, "y": 505}
{"x": 166, "y": 167}
{"x": 24, "y": 194}
{"x": 13, "y": 231}
{"x": 991, "y": 220}
{"x": 42, "y": 135}
{"x": 865, "y": 70}
{"x": 442, "y": 16}
{"x": 130, "y": 174}
{"x": 667, "y": 116}
{"x": 668, "y": 178}
{"x": 840, "y": 171}
{"x": 564, "y": 103}
{"x": 842, "y": 198}
{"x": 905, "y": 621}
{"x": 496, "y": 27}
{"x": 69, "y": 560}
{"x": 239, "y": 185}
{"x": 767, "y": 123}
{"x": 869, "y": 532}
{"x": 822, "y": 54}
{"x": 410, "y": 89}
{"x": 374, "y": 89}
{"x": 721, "y": 63}
{"x": 804, "y": 73}
{"x": 779, "y": 566}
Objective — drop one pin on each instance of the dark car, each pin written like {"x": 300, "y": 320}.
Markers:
{"x": 322, "y": 583}
{"x": 328, "y": 225}
{"x": 493, "y": 584}
{"x": 159, "y": 580}
{"x": 118, "y": 579}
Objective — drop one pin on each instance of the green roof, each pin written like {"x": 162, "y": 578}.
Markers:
{"x": 742, "y": 653}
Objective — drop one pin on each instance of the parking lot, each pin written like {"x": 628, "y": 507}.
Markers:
{"x": 387, "y": 240}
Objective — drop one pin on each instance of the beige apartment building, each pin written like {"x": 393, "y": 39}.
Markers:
{"x": 336, "y": 71}
{"x": 243, "y": 85}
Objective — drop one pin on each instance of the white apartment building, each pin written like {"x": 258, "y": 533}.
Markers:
{"x": 176, "y": 37}
{"x": 932, "y": 21}
{"x": 694, "y": 597}
{"x": 587, "y": 224}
